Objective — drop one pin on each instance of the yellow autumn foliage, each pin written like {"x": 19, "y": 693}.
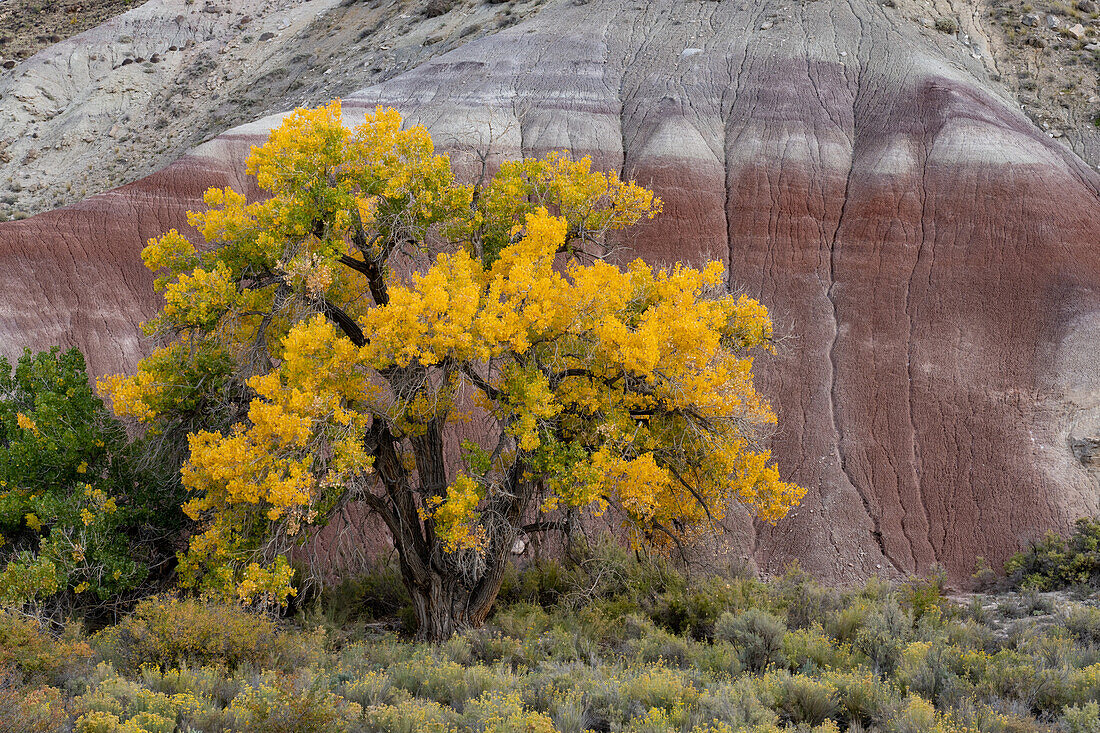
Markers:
{"x": 373, "y": 301}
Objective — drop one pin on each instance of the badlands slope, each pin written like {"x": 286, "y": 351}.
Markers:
{"x": 929, "y": 252}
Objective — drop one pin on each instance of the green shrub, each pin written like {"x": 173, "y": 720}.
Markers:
{"x": 443, "y": 681}
{"x": 165, "y": 631}
{"x": 368, "y": 689}
{"x": 411, "y": 716}
{"x": 805, "y": 600}
{"x": 746, "y": 702}
{"x": 654, "y": 645}
{"x": 376, "y": 594}
{"x": 802, "y": 699}
{"x": 925, "y": 595}
{"x": 82, "y": 514}
{"x": 1081, "y": 719}
{"x": 1084, "y": 623}
{"x": 1053, "y": 563}
{"x": 882, "y": 634}
{"x": 809, "y": 649}
{"x": 864, "y": 698}
{"x": 658, "y": 687}
{"x": 115, "y": 704}
{"x": 917, "y": 716}
{"x": 757, "y": 635}
{"x": 291, "y": 705}
{"x": 543, "y": 582}
{"x": 694, "y": 608}
{"x": 503, "y": 712}
{"x": 947, "y": 25}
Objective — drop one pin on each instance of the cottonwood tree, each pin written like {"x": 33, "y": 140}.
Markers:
{"x": 373, "y": 302}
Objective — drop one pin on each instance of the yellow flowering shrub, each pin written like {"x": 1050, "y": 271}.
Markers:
{"x": 164, "y": 630}
{"x": 372, "y": 304}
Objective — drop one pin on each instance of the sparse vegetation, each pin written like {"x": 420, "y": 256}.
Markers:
{"x": 28, "y": 26}
{"x": 604, "y": 656}
{"x": 947, "y": 25}
{"x": 1054, "y": 563}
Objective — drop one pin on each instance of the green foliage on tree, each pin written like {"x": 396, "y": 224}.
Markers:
{"x": 83, "y": 518}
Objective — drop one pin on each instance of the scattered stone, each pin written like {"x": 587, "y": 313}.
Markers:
{"x": 1030, "y": 19}
{"x": 9, "y": 64}
{"x": 766, "y": 25}
{"x": 687, "y": 52}
{"x": 283, "y": 24}
{"x": 1086, "y": 6}
{"x": 266, "y": 36}
{"x": 244, "y": 21}
{"x": 1077, "y": 31}
{"x": 1094, "y": 47}
{"x": 1052, "y": 21}
{"x": 435, "y": 8}
{"x": 1086, "y": 450}
{"x": 209, "y": 8}
{"x": 127, "y": 62}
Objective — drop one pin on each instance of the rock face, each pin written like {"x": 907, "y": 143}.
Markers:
{"x": 929, "y": 254}
{"x": 127, "y": 97}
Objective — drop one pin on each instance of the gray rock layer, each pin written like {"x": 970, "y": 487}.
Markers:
{"x": 928, "y": 254}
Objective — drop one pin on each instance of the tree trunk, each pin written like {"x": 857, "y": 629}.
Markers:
{"x": 439, "y": 610}
{"x": 443, "y": 607}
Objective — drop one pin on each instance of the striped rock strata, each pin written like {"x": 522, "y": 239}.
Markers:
{"x": 930, "y": 256}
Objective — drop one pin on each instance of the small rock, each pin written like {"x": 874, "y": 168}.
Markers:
{"x": 208, "y": 8}
{"x": 245, "y": 20}
{"x": 1077, "y": 31}
{"x": 1052, "y": 21}
{"x": 267, "y": 36}
{"x": 126, "y": 62}
{"x": 1086, "y": 450}
{"x": 436, "y": 8}
{"x": 283, "y": 24}
{"x": 1086, "y": 6}
{"x": 9, "y": 64}
{"x": 766, "y": 25}
{"x": 1094, "y": 47}
{"x": 1056, "y": 133}
{"x": 1030, "y": 19}
{"x": 691, "y": 52}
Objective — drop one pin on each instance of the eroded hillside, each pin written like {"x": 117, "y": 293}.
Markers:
{"x": 927, "y": 249}
{"x": 126, "y": 98}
